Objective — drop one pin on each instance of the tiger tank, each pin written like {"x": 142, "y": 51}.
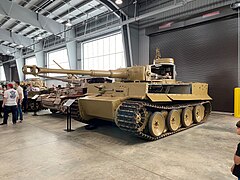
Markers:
{"x": 146, "y": 101}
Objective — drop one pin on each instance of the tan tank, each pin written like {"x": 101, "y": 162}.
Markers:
{"x": 35, "y": 86}
{"x": 76, "y": 87}
{"x": 34, "y": 82}
{"x": 145, "y": 100}
{"x": 54, "y": 101}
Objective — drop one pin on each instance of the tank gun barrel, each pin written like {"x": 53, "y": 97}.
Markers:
{"x": 34, "y": 70}
{"x": 162, "y": 69}
{"x": 72, "y": 81}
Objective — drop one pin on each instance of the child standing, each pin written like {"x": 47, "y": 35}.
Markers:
{"x": 236, "y": 166}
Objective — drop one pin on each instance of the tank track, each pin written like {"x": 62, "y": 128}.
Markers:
{"x": 75, "y": 111}
{"x": 76, "y": 114}
{"x": 30, "y": 106}
{"x": 127, "y": 113}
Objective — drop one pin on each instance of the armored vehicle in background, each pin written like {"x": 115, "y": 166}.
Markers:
{"x": 144, "y": 100}
{"x": 76, "y": 87}
{"x": 55, "y": 101}
{"x": 34, "y": 82}
{"x": 35, "y": 86}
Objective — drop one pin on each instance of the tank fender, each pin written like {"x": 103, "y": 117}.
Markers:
{"x": 187, "y": 97}
{"x": 158, "y": 97}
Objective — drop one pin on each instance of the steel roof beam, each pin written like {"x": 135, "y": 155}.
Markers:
{"x": 41, "y": 5}
{"x": 72, "y": 9}
{"x": 113, "y": 7}
{"x": 85, "y": 12}
{"x": 15, "y": 11}
{"x": 54, "y": 8}
{"x": 4, "y": 20}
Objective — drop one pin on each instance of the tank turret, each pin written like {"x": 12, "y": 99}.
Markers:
{"x": 147, "y": 100}
{"x": 162, "y": 69}
{"x": 35, "y": 82}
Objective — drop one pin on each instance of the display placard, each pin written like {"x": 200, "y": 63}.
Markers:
{"x": 69, "y": 102}
{"x": 35, "y": 97}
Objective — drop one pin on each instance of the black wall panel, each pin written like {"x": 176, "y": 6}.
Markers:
{"x": 204, "y": 53}
{"x": 14, "y": 74}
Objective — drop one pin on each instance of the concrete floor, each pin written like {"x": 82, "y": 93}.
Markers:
{"x": 38, "y": 148}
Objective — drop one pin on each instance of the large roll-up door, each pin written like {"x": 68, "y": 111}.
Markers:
{"x": 204, "y": 53}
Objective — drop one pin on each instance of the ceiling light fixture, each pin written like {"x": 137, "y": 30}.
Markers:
{"x": 39, "y": 37}
{"x": 68, "y": 23}
{"x": 60, "y": 20}
{"x": 118, "y": 1}
{"x": 235, "y": 6}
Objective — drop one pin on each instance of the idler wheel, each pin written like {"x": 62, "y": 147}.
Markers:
{"x": 173, "y": 120}
{"x": 30, "y": 106}
{"x": 156, "y": 124}
{"x": 187, "y": 117}
{"x": 37, "y": 106}
{"x": 198, "y": 113}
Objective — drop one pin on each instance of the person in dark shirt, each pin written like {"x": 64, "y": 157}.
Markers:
{"x": 25, "y": 99}
{"x": 236, "y": 166}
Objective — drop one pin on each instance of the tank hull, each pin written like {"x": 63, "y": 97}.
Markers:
{"x": 35, "y": 106}
{"x": 55, "y": 104}
{"x": 145, "y": 109}
{"x": 99, "y": 107}
{"x": 105, "y": 106}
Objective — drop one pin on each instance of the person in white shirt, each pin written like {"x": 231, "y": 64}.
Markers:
{"x": 10, "y": 100}
{"x": 20, "y": 99}
{"x": 1, "y": 100}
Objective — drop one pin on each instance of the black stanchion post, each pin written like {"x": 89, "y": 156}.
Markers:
{"x": 70, "y": 120}
{"x": 67, "y": 129}
{"x": 69, "y": 113}
{"x": 34, "y": 98}
{"x": 35, "y": 108}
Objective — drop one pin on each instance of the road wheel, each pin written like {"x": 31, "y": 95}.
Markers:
{"x": 173, "y": 120}
{"x": 187, "y": 118}
{"x": 156, "y": 124}
{"x": 198, "y": 113}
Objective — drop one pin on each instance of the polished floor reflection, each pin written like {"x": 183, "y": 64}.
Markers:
{"x": 39, "y": 148}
